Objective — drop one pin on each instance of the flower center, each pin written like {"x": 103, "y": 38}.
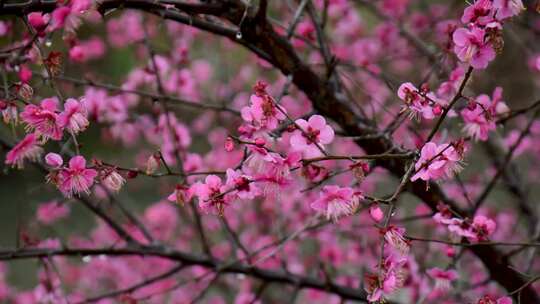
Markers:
{"x": 311, "y": 135}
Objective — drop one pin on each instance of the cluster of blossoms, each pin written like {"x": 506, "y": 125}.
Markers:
{"x": 77, "y": 178}
{"x": 263, "y": 111}
{"x": 420, "y": 102}
{"x": 477, "y": 230}
{"x": 478, "y": 42}
{"x": 47, "y": 122}
{"x": 393, "y": 271}
{"x": 481, "y": 114}
{"x": 438, "y": 161}
{"x": 266, "y": 172}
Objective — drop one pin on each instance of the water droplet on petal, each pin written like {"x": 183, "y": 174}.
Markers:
{"x": 238, "y": 35}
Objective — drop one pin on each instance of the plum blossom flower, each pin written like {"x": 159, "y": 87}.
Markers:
{"x": 242, "y": 184}
{"x": 43, "y": 118}
{"x": 461, "y": 227}
{"x": 54, "y": 160}
{"x": 444, "y": 216}
{"x": 211, "y": 194}
{"x": 27, "y": 148}
{"x": 335, "y": 202}
{"x": 181, "y": 195}
{"x": 480, "y": 12}
{"x": 69, "y": 16}
{"x": 391, "y": 278}
{"x": 479, "y": 229}
{"x": 9, "y": 112}
{"x": 162, "y": 220}
{"x": 437, "y": 161}
{"x": 480, "y": 115}
{"x": 419, "y": 102}
{"x": 74, "y": 117}
{"x": 152, "y": 164}
{"x": 49, "y": 213}
{"x": 76, "y": 178}
{"x": 483, "y": 227}
{"x": 263, "y": 111}
{"x": 473, "y": 47}
{"x": 508, "y": 8}
{"x": 314, "y": 133}
{"x": 39, "y": 22}
{"x": 272, "y": 171}
{"x": 395, "y": 238}
{"x": 443, "y": 278}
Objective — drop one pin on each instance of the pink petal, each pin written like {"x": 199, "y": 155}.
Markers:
{"x": 327, "y": 135}
{"x": 317, "y": 122}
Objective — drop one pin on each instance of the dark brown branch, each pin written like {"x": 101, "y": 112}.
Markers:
{"x": 269, "y": 276}
{"x": 134, "y": 287}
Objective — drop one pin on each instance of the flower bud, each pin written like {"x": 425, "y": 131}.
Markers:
{"x": 113, "y": 181}
{"x": 25, "y": 91}
{"x": 450, "y": 251}
{"x": 54, "y": 160}
{"x": 152, "y": 164}
{"x": 359, "y": 170}
{"x": 376, "y": 213}
{"x": 259, "y": 141}
{"x": 180, "y": 195}
{"x": 25, "y": 74}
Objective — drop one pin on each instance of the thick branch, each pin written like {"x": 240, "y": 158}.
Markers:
{"x": 188, "y": 259}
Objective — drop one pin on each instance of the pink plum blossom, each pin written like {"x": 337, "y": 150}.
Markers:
{"x": 263, "y": 111}
{"x": 26, "y": 149}
{"x": 76, "y": 178}
{"x": 437, "y": 161}
{"x": 443, "y": 278}
{"x": 51, "y": 212}
{"x": 74, "y": 117}
{"x": 480, "y": 115}
{"x": 243, "y": 185}
{"x": 419, "y": 103}
{"x": 508, "y": 8}
{"x": 471, "y": 47}
{"x": 313, "y": 134}
{"x": 43, "y": 118}
{"x": 480, "y": 12}
{"x": 335, "y": 202}
{"x": 211, "y": 194}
